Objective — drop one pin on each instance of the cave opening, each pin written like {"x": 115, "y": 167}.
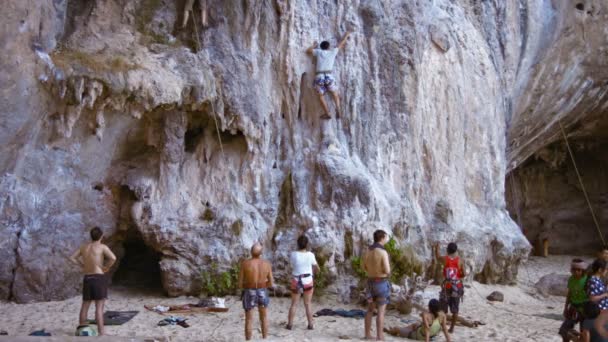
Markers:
{"x": 139, "y": 264}
{"x": 139, "y": 267}
{"x": 197, "y": 122}
{"x": 545, "y": 197}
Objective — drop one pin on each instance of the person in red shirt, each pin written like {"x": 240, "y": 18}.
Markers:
{"x": 452, "y": 288}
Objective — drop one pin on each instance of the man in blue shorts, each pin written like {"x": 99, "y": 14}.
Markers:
{"x": 255, "y": 278}
{"x": 378, "y": 292}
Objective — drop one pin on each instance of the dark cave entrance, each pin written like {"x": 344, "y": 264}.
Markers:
{"x": 545, "y": 198}
{"x": 139, "y": 267}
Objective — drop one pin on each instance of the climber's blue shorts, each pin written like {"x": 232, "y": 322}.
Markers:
{"x": 325, "y": 82}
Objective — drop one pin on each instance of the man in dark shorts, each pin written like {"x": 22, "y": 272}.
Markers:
{"x": 378, "y": 292}
{"x": 91, "y": 257}
{"x": 255, "y": 278}
{"x": 452, "y": 288}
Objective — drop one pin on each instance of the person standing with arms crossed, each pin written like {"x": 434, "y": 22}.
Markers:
{"x": 378, "y": 292}
{"x": 92, "y": 258}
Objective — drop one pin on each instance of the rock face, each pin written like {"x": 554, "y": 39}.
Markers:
{"x": 564, "y": 80}
{"x": 112, "y": 117}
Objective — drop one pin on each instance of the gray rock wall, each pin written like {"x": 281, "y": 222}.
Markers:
{"x": 120, "y": 124}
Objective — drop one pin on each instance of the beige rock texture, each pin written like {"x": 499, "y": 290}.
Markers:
{"x": 113, "y": 116}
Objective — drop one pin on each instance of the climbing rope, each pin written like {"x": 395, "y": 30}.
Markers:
{"x": 217, "y": 128}
{"x": 198, "y": 45}
{"x": 197, "y": 38}
{"x": 580, "y": 180}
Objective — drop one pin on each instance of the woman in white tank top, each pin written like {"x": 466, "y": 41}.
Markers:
{"x": 303, "y": 264}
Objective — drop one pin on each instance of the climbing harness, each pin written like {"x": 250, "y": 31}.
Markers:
{"x": 580, "y": 180}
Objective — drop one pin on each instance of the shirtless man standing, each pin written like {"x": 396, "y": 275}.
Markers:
{"x": 378, "y": 269}
{"x": 91, "y": 257}
{"x": 254, "y": 278}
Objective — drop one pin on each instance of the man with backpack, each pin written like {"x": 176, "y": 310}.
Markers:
{"x": 452, "y": 288}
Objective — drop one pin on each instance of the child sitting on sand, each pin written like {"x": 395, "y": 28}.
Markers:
{"x": 433, "y": 322}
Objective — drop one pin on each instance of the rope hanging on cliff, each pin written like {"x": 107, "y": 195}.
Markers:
{"x": 198, "y": 46}
{"x": 217, "y": 129}
{"x": 580, "y": 180}
{"x": 197, "y": 39}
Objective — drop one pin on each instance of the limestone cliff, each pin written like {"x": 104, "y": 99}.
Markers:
{"x": 112, "y": 116}
{"x": 562, "y": 77}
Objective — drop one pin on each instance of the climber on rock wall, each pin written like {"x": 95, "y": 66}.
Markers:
{"x": 188, "y": 7}
{"x": 324, "y": 79}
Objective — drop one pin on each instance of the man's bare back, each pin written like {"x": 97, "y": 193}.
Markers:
{"x": 256, "y": 274}
{"x": 93, "y": 256}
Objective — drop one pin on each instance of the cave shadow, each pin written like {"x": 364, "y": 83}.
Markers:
{"x": 139, "y": 268}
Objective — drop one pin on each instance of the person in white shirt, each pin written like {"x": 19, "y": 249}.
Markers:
{"x": 324, "y": 79}
{"x": 303, "y": 264}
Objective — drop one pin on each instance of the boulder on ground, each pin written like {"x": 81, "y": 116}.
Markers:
{"x": 496, "y": 296}
{"x": 553, "y": 284}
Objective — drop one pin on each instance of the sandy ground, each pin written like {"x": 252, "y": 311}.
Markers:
{"x": 523, "y": 316}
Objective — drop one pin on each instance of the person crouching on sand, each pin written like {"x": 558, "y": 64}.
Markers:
{"x": 91, "y": 257}
{"x": 255, "y": 278}
{"x": 378, "y": 269}
{"x": 433, "y": 322}
{"x": 303, "y": 264}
